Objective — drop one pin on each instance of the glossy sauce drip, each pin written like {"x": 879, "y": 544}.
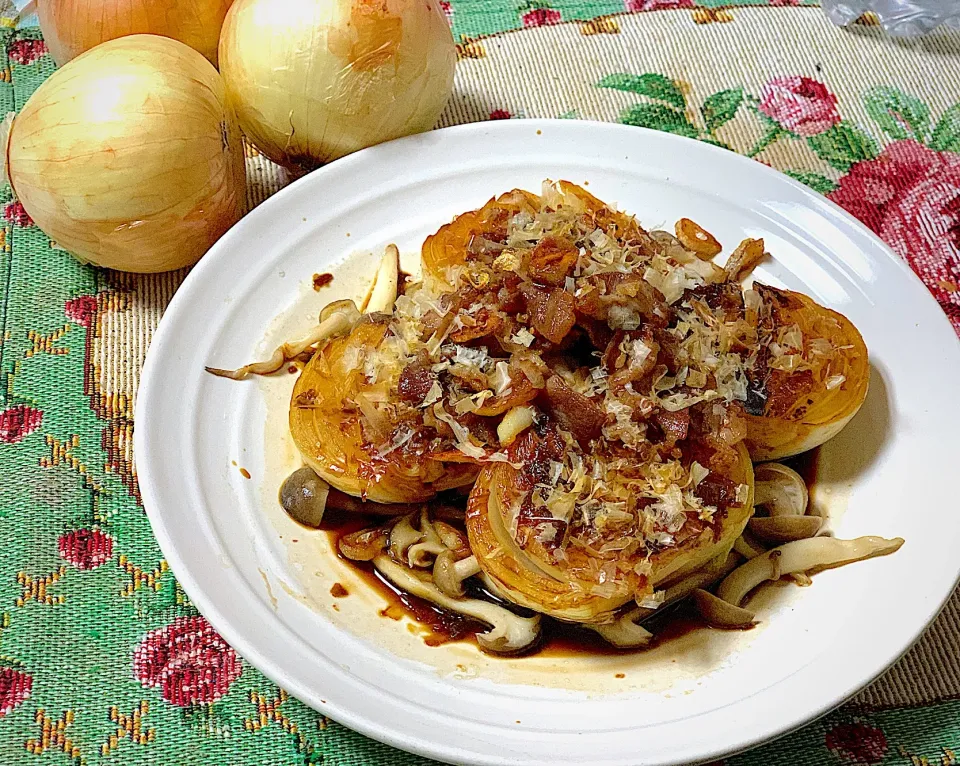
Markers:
{"x": 440, "y": 626}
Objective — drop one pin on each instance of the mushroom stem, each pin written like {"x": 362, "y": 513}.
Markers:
{"x": 817, "y": 553}
{"x": 517, "y": 420}
{"x": 509, "y": 633}
{"x": 402, "y": 536}
{"x": 341, "y": 320}
{"x": 383, "y": 292}
{"x": 624, "y": 632}
{"x": 747, "y": 547}
{"x": 449, "y": 574}
{"x": 719, "y": 613}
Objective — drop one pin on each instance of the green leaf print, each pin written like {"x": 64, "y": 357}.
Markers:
{"x": 816, "y": 181}
{"x": 658, "y": 117}
{"x": 946, "y": 136}
{"x": 654, "y": 86}
{"x": 721, "y": 107}
{"x": 898, "y": 114}
{"x": 843, "y": 146}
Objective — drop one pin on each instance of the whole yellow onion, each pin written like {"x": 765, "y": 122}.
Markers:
{"x": 71, "y": 27}
{"x": 313, "y": 80}
{"x": 129, "y": 157}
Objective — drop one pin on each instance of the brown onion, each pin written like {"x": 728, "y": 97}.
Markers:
{"x": 71, "y": 27}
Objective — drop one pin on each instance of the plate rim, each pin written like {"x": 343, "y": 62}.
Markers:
{"x": 193, "y": 585}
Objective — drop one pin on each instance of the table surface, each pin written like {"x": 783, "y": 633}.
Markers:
{"x": 103, "y": 658}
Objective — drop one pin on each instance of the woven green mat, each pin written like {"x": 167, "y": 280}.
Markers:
{"x": 103, "y": 659}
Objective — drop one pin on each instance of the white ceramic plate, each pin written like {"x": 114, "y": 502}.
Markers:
{"x": 891, "y": 473}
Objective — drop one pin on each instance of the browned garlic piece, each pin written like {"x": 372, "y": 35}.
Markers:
{"x": 783, "y": 529}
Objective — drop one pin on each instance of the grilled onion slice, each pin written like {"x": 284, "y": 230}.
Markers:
{"x": 325, "y": 420}
{"x": 798, "y": 409}
{"x": 572, "y": 588}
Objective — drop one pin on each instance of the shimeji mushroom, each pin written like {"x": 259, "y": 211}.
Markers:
{"x": 799, "y": 556}
{"x": 449, "y": 573}
{"x": 747, "y": 547}
{"x": 508, "y": 633}
{"x": 435, "y": 544}
{"x": 719, "y": 613}
{"x": 304, "y": 497}
{"x": 337, "y": 319}
{"x": 625, "y": 633}
{"x": 386, "y": 284}
{"x": 783, "y": 529}
{"x": 779, "y": 489}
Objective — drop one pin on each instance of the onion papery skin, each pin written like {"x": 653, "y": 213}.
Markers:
{"x": 72, "y": 27}
{"x": 313, "y": 80}
{"x": 129, "y": 156}
{"x": 531, "y": 582}
{"x": 821, "y": 414}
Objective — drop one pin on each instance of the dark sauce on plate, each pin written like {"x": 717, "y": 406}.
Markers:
{"x": 438, "y": 626}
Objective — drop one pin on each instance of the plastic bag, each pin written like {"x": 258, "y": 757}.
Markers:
{"x": 902, "y": 18}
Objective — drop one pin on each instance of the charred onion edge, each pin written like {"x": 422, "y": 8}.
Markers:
{"x": 509, "y": 633}
{"x": 815, "y": 554}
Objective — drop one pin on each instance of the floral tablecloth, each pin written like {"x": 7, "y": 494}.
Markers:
{"x": 103, "y": 658}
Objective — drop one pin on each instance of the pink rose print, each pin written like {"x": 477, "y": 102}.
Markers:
{"x": 447, "y": 9}
{"x": 86, "y": 548}
{"x": 18, "y": 422}
{"x": 910, "y": 197}
{"x": 857, "y": 743}
{"x": 800, "y": 105}
{"x": 17, "y": 215}
{"x": 14, "y": 689}
{"x": 188, "y": 661}
{"x": 500, "y": 114}
{"x": 656, "y": 5}
{"x": 541, "y": 17}
{"x": 26, "y": 51}
{"x": 81, "y": 309}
